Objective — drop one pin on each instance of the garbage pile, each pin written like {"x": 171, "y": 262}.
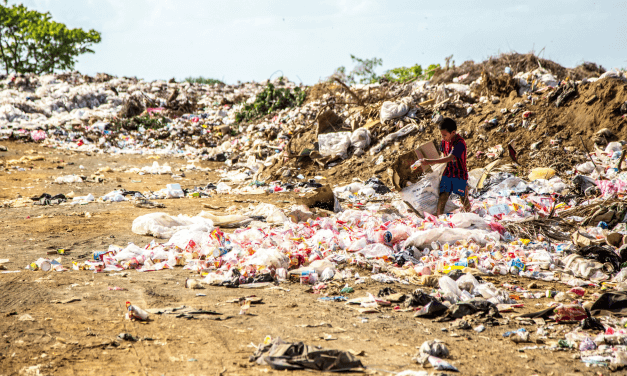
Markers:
{"x": 554, "y": 211}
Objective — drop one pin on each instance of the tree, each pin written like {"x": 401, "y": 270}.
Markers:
{"x": 30, "y": 42}
{"x": 363, "y": 73}
{"x": 404, "y": 74}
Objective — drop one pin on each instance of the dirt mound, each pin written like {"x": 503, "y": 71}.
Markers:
{"x": 558, "y": 129}
{"x": 587, "y": 70}
{"x": 496, "y": 65}
{"x": 317, "y": 92}
{"x": 501, "y": 85}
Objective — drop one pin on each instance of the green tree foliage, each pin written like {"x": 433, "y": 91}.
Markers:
{"x": 30, "y": 42}
{"x": 362, "y": 73}
{"x": 202, "y": 80}
{"x": 404, "y": 74}
{"x": 269, "y": 100}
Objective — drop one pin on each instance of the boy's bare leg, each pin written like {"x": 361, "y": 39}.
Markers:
{"x": 466, "y": 202}
{"x": 442, "y": 199}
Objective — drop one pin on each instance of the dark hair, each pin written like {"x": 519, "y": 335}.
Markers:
{"x": 448, "y": 124}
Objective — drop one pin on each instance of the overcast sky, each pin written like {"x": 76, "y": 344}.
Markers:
{"x": 250, "y": 40}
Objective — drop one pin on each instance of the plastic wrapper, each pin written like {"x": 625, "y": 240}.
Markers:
{"x": 441, "y": 365}
{"x": 570, "y": 312}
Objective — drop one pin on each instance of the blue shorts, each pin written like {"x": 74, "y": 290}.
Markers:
{"x": 453, "y": 185}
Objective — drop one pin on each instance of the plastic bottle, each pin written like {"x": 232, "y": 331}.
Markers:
{"x": 392, "y": 235}
{"x": 136, "y": 313}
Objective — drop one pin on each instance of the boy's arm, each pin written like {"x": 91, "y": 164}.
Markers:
{"x": 446, "y": 159}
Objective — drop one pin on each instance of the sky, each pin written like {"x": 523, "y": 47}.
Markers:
{"x": 250, "y": 40}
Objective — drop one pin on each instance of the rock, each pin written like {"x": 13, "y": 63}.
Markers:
{"x": 300, "y": 214}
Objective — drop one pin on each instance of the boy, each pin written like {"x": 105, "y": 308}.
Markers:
{"x": 455, "y": 176}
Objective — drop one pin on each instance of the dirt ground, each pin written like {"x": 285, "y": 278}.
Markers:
{"x": 80, "y": 337}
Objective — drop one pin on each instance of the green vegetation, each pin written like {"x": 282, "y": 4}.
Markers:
{"x": 404, "y": 74}
{"x": 30, "y": 42}
{"x": 146, "y": 121}
{"x": 203, "y": 80}
{"x": 364, "y": 72}
{"x": 269, "y": 100}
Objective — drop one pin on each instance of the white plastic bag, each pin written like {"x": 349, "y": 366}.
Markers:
{"x": 68, "y": 179}
{"x": 467, "y": 282}
{"x": 469, "y": 221}
{"x": 271, "y": 213}
{"x": 269, "y": 257}
{"x": 422, "y": 239}
{"x": 613, "y": 147}
{"x": 391, "y": 110}
{"x": 586, "y": 168}
{"x": 320, "y": 266}
{"x": 376, "y": 250}
{"x": 360, "y": 139}
{"x": 448, "y": 286}
{"x": 223, "y": 188}
{"x": 423, "y": 196}
{"x": 487, "y": 290}
{"x": 162, "y": 225}
{"x": 334, "y": 144}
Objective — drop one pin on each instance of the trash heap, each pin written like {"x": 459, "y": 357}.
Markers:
{"x": 554, "y": 211}
{"x": 277, "y": 130}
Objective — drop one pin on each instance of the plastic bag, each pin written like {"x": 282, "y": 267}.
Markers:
{"x": 128, "y": 253}
{"x": 613, "y": 147}
{"x": 334, "y": 144}
{"x": 319, "y": 266}
{"x": 391, "y": 110}
{"x": 393, "y": 137}
{"x": 585, "y": 168}
{"x": 487, "y": 290}
{"x": 474, "y": 176}
{"x": 269, "y": 257}
{"x": 434, "y": 348}
{"x": 448, "y": 286}
{"x": 469, "y": 221}
{"x": 162, "y": 225}
{"x": 376, "y": 250}
{"x": 174, "y": 191}
{"x": 270, "y": 212}
{"x": 422, "y": 239}
{"x": 360, "y": 139}
{"x": 68, "y": 179}
{"x": 423, "y": 196}
{"x": 467, "y": 282}
{"x": 227, "y": 221}
{"x": 223, "y": 188}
